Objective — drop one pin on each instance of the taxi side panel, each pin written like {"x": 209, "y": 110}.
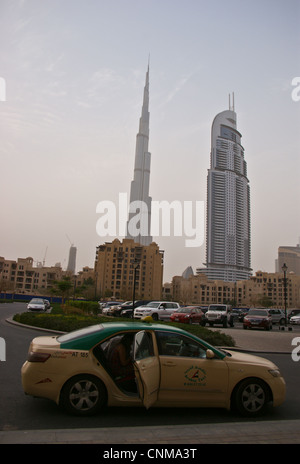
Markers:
{"x": 47, "y": 379}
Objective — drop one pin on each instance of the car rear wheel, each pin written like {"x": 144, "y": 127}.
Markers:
{"x": 251, "y": 397}
{"x": 83, "y": 395}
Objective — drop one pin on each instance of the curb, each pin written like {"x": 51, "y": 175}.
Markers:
{"x": 33, "y": 327}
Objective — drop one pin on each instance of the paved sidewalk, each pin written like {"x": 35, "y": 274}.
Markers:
{"x": 259, "y": 432}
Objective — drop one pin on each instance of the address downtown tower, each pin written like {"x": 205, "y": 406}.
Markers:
{"x": 228, "y": 204}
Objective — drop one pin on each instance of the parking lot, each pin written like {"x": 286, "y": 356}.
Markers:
{"x": 275, "y": 340}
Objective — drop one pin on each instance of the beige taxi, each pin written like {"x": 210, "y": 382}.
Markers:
{"x": 166, "y": 367}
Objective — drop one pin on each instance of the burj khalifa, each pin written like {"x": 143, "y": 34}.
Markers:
{"x": 139, "y": 218}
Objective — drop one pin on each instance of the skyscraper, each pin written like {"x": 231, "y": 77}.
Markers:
{"x": 72, "y": 259}
{"x": 139, "y": 219}
{"x": 228, "y": 203}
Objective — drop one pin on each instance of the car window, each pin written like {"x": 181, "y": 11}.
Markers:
{"x": 257, "y": 312}
{"x": 143, "y": 346}
{"x": 172, "y": 344}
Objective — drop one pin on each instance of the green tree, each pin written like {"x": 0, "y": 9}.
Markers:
{"x": 63, "y": 287}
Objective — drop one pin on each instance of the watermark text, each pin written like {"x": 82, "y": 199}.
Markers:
{"x": 296, "y": 90}
{"x": 2, "y": 89}
{"x": 176, "y": 218}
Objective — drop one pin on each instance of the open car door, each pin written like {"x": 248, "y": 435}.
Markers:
{"x": 147, "y": 368}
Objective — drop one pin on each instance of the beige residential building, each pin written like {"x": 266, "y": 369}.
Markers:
{"x": 22, "y": 277}
{"x": 87, "y": 273}
{"x": 116, "y": 264}
{"x": 260, "y": 289}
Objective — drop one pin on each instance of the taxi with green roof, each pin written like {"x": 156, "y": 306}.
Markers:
{"x": 168, "y": 367}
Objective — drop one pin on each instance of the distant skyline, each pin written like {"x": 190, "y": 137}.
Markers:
{"x": 73, "y": 74}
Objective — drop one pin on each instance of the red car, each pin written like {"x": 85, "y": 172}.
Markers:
{"x": 187, "y": 315}
{"x": 257, "y": 319}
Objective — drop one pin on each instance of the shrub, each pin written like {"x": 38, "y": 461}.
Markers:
{"x": 69, "y": 322}
{"x": 87, "y": 307}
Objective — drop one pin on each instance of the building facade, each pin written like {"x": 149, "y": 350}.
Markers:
{"x": 228, "y": 204}
{"x": 290, "y": 256}
{"x": 117, "y": 263}
{"x": 263, "y": 289}
{"x": 22, "y": 276}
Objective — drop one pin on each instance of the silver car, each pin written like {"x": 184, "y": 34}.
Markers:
{"x": 37, "y": 304}
{"x": 277, "y": 315}
{"x": 295, "y": 320}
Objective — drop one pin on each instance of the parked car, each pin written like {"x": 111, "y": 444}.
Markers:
{"x": 237, "y": 314}
{"x": 115, "y": 309}
{"x": 37, "y": 304}
{"x": 107, "y": 306}
{"x": 277, "y": 315}
{"x": 128, "y": 312}
{"x": 188, "y": 315}
{"x": 295, "y": 320}
{"x": 219, "y": 314}
{"x": 258, "y": 319}
{"x": 74, "y": 370}
{"x": 47, "y": 303}
{"x": 158, "y": 310}
{"x": 244, "y": 312}
{"x": 293, "y": 312}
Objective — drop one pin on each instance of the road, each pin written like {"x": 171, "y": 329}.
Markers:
{"x": 20, "y": 412}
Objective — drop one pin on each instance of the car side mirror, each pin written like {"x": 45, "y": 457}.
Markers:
{"x": 210, "y": 354}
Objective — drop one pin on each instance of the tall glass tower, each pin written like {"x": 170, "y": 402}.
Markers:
{"x": 139, "y": 220}
{"x": 228, "y": 204}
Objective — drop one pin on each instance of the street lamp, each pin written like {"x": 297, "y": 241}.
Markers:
{"x": 284, "y": 268}
{"x": 136, "y": 265}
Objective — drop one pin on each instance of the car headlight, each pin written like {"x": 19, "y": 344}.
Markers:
{"x": 275, "y": 372}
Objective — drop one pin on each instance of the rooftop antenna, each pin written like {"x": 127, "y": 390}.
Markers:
{"x": 231, "y": 108}
{"x": 44, "y": 259}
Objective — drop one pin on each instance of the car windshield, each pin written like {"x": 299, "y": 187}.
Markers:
{"x": 79, "y": 333}
{"x": 185, "y": 310}
{"x": 154, "y": 304}
{"x": 217, "y": 308}
{"x": 36, "y": 301}
{"x": 257, "y": 312}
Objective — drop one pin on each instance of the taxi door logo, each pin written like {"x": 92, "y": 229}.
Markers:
{"x": 195, "y": 376}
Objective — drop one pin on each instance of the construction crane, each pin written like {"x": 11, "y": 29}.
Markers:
{"x": 69, "y": 240}
{"x": 44, "y": 260}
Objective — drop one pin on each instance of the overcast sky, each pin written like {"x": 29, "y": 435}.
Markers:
{"x": 75, "y": 71}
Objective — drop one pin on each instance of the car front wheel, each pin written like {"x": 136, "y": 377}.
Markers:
{"x": 251, "y": 397}
{"x": 83, "y": 395}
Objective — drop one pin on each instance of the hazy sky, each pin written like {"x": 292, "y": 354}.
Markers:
{"x": 75, "y": 72}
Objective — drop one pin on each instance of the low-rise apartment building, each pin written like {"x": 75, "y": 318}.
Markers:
{"x": 263, "y": 288}
{"x": 22, "y": 276}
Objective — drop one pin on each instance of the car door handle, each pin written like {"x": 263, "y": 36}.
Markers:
{"x": 169, "y": 364}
